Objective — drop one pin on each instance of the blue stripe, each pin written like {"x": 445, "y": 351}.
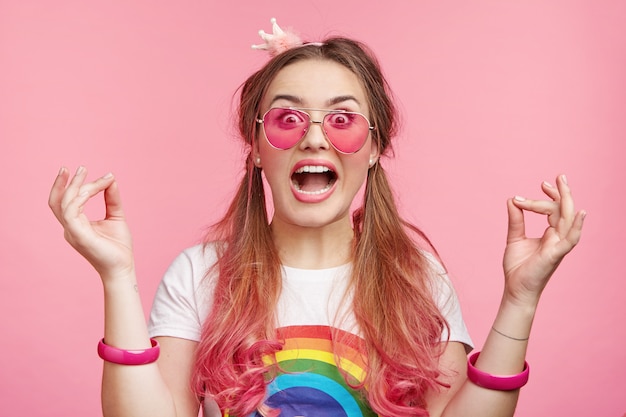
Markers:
{"x": 320, "y": 383}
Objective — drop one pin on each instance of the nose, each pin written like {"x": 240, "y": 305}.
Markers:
{"x": 315, "y": 138}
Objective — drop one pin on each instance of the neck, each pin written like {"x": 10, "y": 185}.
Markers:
{"x": 313, "y": 247}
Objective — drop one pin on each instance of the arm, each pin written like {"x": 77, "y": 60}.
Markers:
{"x": 145, "y": 390}
{"x": 528, "y": 265}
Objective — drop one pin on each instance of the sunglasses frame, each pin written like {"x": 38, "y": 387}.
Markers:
{"x": 306, "y": 111}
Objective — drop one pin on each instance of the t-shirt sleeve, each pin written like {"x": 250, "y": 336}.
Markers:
{"x": 180, "y": 303}
{"x": 448, "y": 303}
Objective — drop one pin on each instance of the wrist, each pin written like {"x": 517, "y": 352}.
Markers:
{"x": 514, "y": 320}
{"x": 120, "y": 277}
{"x": 526, "y": 305}
{"x": 512, "y": 309}
{"x": 120, "y": 284}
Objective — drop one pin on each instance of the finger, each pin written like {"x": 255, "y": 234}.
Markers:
{"x": 567, "y": 200}
{"x": 516, "y": 228}
{"x": 113, "y": 201}
{"x": 73, "y": 220}
{"x": 551, "y": 191}
{"x": 56, "y": 193}
{"x": 96, "y": 186}
{"x": 548, "y": 208}
{"x": 74, "y": 207}
{"x": 537, "y": 206}
{"x": 573, "y": 235}
{"x": 72, "y": 189}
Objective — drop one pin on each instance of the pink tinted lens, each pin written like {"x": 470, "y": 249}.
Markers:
{"x": 285, "y": 127}
{"x": 347, "y": 131}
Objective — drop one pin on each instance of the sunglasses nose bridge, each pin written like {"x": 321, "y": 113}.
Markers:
{"x": 313, "y": 139}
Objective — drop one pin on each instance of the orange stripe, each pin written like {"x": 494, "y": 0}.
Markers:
{"x": 350, "y": 367}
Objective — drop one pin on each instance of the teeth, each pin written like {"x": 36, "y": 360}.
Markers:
{"x": 322, "y": 191}
{"x": 312, "y": 169}
{"x": 316, "y": 169}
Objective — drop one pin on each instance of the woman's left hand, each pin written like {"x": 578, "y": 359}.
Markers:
{"x": 530, "y": 262}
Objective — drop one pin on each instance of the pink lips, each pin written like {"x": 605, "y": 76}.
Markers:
{"x": 305, "y": 197}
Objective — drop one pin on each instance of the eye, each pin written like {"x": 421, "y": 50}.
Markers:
{"x": 341, "y": 120}
{"x": 288, "y": 118}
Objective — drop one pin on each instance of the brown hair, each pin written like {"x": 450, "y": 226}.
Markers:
{"x": 392, "y": 303}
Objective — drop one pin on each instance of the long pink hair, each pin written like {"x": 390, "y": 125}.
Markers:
{"x": 391, "y": 278}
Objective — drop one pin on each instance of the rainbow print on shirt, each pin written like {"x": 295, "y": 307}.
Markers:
{"x": 309, "y": 384}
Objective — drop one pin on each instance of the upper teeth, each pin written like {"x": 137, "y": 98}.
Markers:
{"x": 318, "y": 169}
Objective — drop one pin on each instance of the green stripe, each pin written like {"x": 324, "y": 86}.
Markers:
{"x": 330, "y": 371}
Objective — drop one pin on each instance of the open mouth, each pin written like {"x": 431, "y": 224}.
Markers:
{"x": 313, "y": 179}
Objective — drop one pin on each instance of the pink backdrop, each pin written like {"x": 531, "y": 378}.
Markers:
{"x": 496, "y": 97}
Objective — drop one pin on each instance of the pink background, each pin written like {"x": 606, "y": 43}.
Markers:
{"x": 495, "y": 96}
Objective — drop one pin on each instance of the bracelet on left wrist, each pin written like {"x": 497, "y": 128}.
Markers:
{"x": 496, "y": 382}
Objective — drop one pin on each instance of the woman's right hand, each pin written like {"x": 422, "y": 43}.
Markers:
{"x": 106, "y": 243}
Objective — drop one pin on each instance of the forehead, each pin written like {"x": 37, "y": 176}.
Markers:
{"x": 316, "y": 83}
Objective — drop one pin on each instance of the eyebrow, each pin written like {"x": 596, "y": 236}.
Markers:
{"x": 299, "y": 101}
{"x": 341, "y": 99}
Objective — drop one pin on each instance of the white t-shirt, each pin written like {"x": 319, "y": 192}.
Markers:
{"x": 311, "y": 302}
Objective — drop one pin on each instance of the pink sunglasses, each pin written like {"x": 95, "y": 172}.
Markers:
{"x": 284, "y": 127}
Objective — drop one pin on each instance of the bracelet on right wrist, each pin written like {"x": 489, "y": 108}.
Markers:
{"x": 129, "y": 357}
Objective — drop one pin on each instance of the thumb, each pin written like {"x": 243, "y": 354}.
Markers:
{"x": 517, "y": 227}
{"x": 113, "y": 201}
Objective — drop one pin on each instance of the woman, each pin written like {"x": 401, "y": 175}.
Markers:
{"x": 314, "y": 311}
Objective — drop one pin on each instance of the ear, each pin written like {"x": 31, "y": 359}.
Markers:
{"x": 374, "y": 153}
{"x": 255, "y": 154}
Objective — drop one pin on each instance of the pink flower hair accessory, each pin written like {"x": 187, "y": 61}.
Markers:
{"x": 279, "y": 40}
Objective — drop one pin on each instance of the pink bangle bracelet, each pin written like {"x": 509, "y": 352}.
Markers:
{"x": 495, "y": 382}
{"x": 129, "y": 357}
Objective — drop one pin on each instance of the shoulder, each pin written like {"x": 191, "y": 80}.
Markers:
{"x": 184, "y": 296}
{"x": 201, "y": 256}
{"x": 192, "y": 264}
{"x": 447, "y": 301}
{"x": 439, "y": 280}
{"x": 190, "y": 274}
{"x": 434, "y": 263}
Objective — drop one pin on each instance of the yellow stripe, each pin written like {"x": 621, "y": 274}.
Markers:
{"x": 294, "y": 354}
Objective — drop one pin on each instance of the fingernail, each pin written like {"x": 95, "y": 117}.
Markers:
{"x": 61, "y": 170}
{"x": 583, "y": 213}
{"x": 519, "y": 198}
{"x": 547, "y": 184}
{"x": 80, "y": 170}
{"x": 564, "y": 179}
{"x": 107, "y": 176}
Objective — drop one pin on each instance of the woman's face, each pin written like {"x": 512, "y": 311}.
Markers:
{"x": 300, "y": 197}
